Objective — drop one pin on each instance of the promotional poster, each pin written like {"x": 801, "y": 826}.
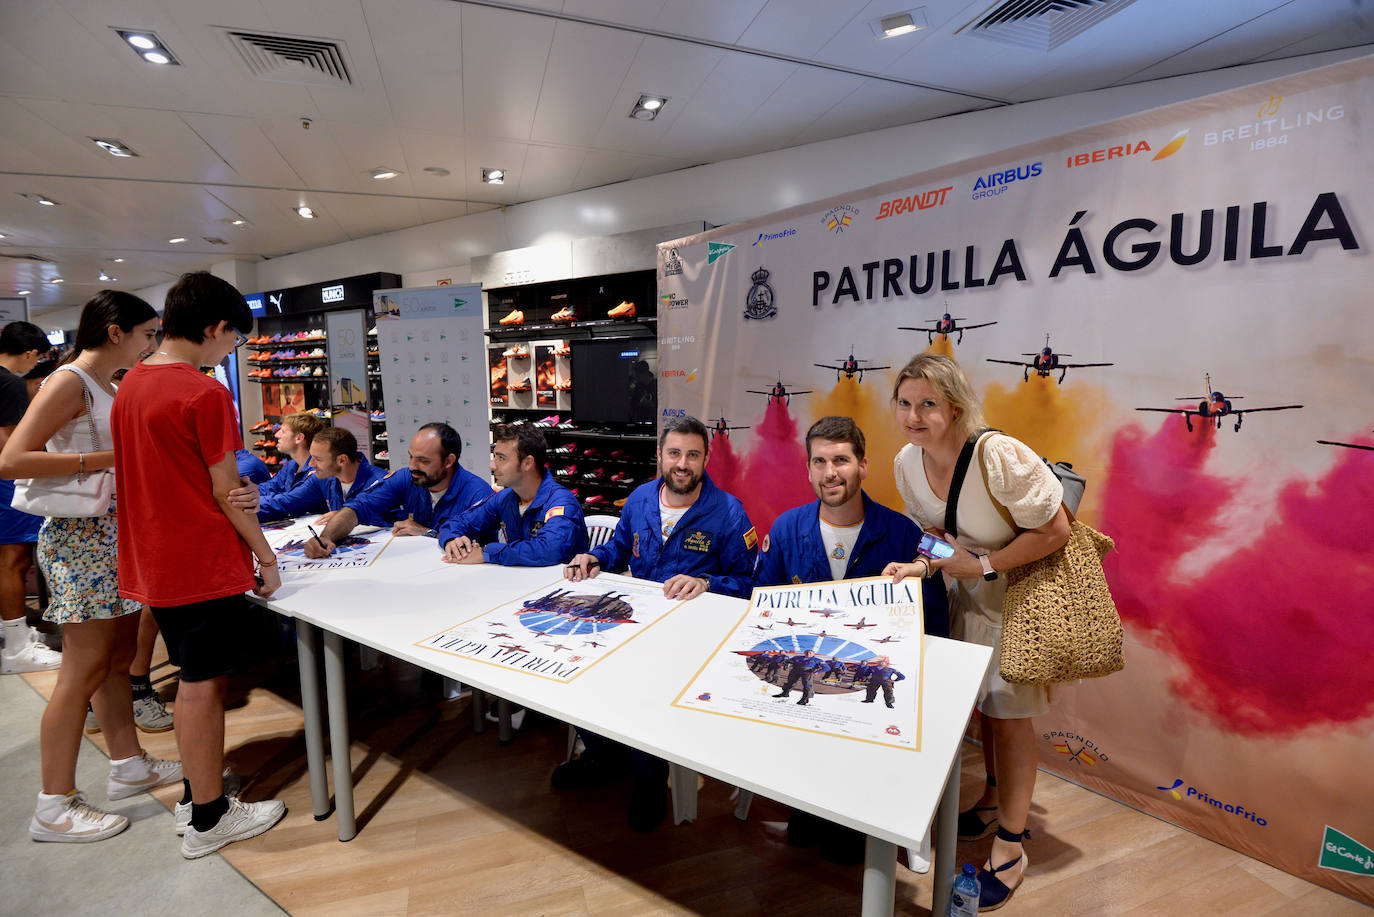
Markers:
{"x": 560, "y": 631}
{"x": 840, "y": 658}
{"x": 357, "y": 549}
{"x": 1177, "y": 304}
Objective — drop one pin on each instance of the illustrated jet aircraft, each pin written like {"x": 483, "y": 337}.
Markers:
{"x": 850, "y": 367}
{"x": 558, "y": 646}
{"x": 1327, "y": 442}
{"x": 861, "y": 625}
{"x": 722, "y": 428}
{"x": 1046, "y": 362}
{"x": 888, "y": 640}
{"x": 790, "y": 623}
{"x": 827, "y": 613}
{"x": 513, "y": 647}
{"x": 945, "y": 325}
{"x": 1214, "y": 406}
{"x": 779, "y": 393}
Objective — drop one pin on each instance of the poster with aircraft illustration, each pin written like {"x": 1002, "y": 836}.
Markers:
{"x": 842, "y": 658}
{"x": 1176, "y": 303}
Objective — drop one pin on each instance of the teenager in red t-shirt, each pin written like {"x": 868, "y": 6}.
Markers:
{"x": 184, "y": 549}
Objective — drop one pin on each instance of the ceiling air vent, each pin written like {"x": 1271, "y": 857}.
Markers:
{"x": 214, "y": 240}
{"x": 1042, "y": 25}
{"x": 292, "y": 58}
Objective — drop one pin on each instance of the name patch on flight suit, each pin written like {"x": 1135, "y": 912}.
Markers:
{"x": 698, "y": 541}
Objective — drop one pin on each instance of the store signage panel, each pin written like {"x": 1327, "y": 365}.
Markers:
{"x": 13, "y": 309}
{"x": 332, "y": 294}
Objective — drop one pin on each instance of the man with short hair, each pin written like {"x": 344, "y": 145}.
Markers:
{"x": 297, "y": 432}
{"x": 683, "y": 531}
{"x": 534, "y": 522}
{"x": 184, "y": 549}
{"x": 339, "y": 472}
{"x": 22, "y": 345}
{"x": 436, "y": 490}
{"x": 803, "y": 669}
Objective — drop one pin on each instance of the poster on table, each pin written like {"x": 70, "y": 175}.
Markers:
{"x": 1177, "y": 303}
{"x": 434, "y": 367}
{"x": 358, "y": 549}
{"x": 842, "y": 658}
{"x": 560, "y": 631}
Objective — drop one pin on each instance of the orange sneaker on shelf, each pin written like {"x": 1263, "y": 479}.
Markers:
{"x": 562, "y": 350}
{"x": 516, "y": 317}
{"x": 521, "y": 386}
{"x": 517, "y": 351}
{"x": 564, "y": 385}
{"x": 621, "y": 502}
{"x": 565, "y": 314}
{"x": 624, "y": 310}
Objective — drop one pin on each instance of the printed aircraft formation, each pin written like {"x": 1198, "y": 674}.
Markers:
{"x": 945, "y": 325}
{"x": 850, "y": 367}
{"x": 778, "y": 393}
{"x": 1214, "y": 406}
{"x": 1046, "y": 362}
{"x": 721, "y": 427}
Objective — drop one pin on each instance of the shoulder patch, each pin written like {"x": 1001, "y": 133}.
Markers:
{"x": 390, "y": 473}
{"x": 765, "y": 545}
{"x": 553, "y": 512}
{"x": 751, "y": 538}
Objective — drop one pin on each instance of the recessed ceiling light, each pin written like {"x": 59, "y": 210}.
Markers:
{"x": 147, "y": 45}
{"x": 114, "y": 147}
{"x": 438, "y": 171}
{"x": 176, "y": 241}
{"x": 141, "y": 42}
{"x": 240, "y": 222}
{"x": 106, "y": 278}
{"x": 117, "y": 260}
{"x": 2, "y": 235}
{"x": 25, "y": 292}
{"x": 494, "y": 176}
{"x": 305, "y": 213}
{"x": 156, "y": 57}
{"x": 384, "y": 174}
{"x": 39, "y": 199}
{"x": 899, "y": 23}
{"x": 647, "y": 107}
{"x": 57, "y": 280}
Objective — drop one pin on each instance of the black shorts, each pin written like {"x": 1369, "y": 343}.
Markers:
{"x": 204, "y": 638}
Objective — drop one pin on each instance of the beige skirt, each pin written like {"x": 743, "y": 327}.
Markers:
{"x": 975, "y": 608}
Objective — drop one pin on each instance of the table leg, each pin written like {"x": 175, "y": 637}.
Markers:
{"x": 505, "y": 734}
{"x": 479, "y": 711}
{"x": 307, "y": 655}
{"x": 880, "y": 879}
{"x": 946, "y": 833}
{"x": 684, "y": 791}
{"x": 336, "y": 690}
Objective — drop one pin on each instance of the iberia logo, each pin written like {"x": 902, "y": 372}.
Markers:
{"x": 1172, "y": 147}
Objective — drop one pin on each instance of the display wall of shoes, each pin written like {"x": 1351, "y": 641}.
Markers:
{"x": 531, "y": 375}
{"x": 587, "y": 302}
{"x": 599, "y": 463}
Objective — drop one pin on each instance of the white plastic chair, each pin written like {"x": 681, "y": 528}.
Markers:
{"x": 600, "y": 529}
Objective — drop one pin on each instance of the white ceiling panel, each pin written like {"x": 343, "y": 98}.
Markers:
{"x": 493, "y": 154}
{"x": 314, "y": 155}
{"x": 719, "y": 111}
{"x": 586, "y": 68}
{"x": 641, "y": 14}
{"x": 672, "y": 69}
{"x": 807, "y": 94}
{"x": 434, "y": 211}
{"x": 445, "y": 151}
{"x": 715, "y": 20}
{"x": 504, "y": 58}
{"x": 877, "y": 105}
{"x": 545, "y": 169}
{"x": 240, "y": 142}
{"x": 799, "y": 27}
{"x": 602, "y": 168}
{"x": 362, "y": 216}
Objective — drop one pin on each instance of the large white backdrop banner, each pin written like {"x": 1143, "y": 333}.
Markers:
{"x": 433, "y": 364}
{"x": 1209, "y": 262}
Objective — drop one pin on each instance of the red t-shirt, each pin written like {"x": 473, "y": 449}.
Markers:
{"x": 170, "y": 424}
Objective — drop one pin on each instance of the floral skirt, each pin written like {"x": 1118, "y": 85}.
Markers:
{"x": 78, "y": 558}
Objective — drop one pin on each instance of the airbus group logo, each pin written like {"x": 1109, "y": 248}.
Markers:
{"x": 995, "y": 183}
{"x": 1193, "y": 793}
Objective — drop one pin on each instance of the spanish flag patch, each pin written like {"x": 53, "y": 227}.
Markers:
{"x": 553, "y": 512}
{"x": 750, "y": 538}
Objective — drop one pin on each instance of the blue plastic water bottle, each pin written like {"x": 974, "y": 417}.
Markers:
{"x": 964, "y": 901}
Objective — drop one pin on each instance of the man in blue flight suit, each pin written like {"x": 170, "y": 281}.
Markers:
{"x": 882, "y": 675}
{"x": 534, "y": 522}
{"x": 336, "y": 464}
{"x": 845, "y": 534}
{"x": 297, "y": 432}
{"x": 436, "y": 490}
{"x": 252, "y": 467}
{"x": 680, "y": 530}
{"x": 803, "y": 670}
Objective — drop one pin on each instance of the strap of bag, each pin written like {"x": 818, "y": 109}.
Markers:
{"x": 956, "y": 483}
{"x": 90, "y": 407}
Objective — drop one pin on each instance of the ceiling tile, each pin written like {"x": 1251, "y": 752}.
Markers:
{"x": 715, "y": 20}
{"x": 799, "y": 27}
{"x": 504, "y": 58}
{"x": 586, "y": 67}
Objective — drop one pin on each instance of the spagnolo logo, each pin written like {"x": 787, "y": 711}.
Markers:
{"x": 1182, "y": 793}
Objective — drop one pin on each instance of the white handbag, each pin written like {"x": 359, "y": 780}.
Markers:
{"x": 71, "y": 495}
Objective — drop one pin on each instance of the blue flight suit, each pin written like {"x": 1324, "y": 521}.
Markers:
{"x": 714, "y": 538}
{"x": 288, "y": 477}
{"x": 803, "y": 670}
{"x": 394, "y": 496}
{"x": 318, "y": 495}
{"x": 882, "y": 676}
{"x": 550, "y": 531}
{"x": 252, "y": 467}
{"x": 793, "y": 554}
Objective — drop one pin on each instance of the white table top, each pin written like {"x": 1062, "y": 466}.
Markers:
{"x": 408, "y": 594}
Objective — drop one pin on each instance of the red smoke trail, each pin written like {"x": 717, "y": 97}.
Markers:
{"x": 771, "y": 477}
{"x": 1277, "y": 636}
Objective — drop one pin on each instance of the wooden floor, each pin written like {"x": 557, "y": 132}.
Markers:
{"x": 452, "y": 823}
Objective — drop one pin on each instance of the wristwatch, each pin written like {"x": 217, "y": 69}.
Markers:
{"x": 989, "y": 574}
{"x": 432, "y": 533}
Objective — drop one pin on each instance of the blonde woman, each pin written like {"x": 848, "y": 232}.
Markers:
{"x": 1009, "y": 513}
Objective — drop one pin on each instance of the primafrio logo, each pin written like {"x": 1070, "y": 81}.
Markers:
{"x": 838, "y": 219}
{"x": 759, "y": 303}
{"x": 774, "y": 236}
{"x": 672, "y": 264}
{"x": 995, "y": 183}
{"x": 1193, "y": 793}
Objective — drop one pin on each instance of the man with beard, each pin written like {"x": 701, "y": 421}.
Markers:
{"x": 437, "y": 490}
{"x": 680, "y": 530}
{"x": 339, "y": 473}
{"x": 533, "y": 522}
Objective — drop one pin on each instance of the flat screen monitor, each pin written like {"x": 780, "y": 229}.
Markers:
{"x": 615, "y": 381}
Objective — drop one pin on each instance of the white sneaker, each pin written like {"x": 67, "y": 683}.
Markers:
{"x": 242, "y": 821}
{"x": 92, "y": 724}
{"x": 74, "y": 822}
{"x": 181, "y": 812}
{"x": 151, "y": 716}
{"x": 154, "y": 772}
{"x": 35, "y": 656}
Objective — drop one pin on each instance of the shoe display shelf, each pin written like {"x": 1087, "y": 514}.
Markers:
{"x": 608, "y": 305}
{"x": 381, "y": 455}
{"x": 599, "y": 463}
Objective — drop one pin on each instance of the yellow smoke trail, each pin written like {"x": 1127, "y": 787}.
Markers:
{"x": 870, "y": 406}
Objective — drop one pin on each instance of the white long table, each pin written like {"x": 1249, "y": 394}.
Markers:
{"x": 408, "y": 594}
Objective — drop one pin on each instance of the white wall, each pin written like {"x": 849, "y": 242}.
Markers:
{"x": 739, "y": 189}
